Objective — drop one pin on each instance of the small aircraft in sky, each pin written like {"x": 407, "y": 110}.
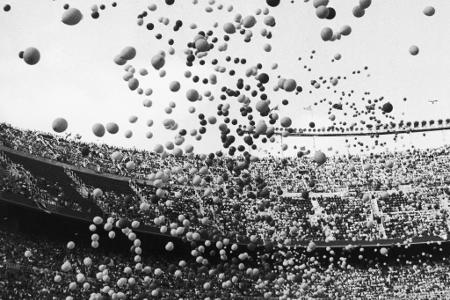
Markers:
{"x": 433, "y": 101}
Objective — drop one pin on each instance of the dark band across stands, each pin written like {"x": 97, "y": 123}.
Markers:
{"x": 353, "y": 133}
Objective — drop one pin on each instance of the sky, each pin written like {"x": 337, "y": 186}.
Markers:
{"x": 77, "y": 79}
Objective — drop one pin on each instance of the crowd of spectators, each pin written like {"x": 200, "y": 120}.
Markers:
{"x": 274, "y": 201}
{"x": 268, "y": 198}
{"x": 35, "y": 267}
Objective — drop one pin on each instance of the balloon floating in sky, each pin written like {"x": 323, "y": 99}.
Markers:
{"x": 112, "y": 128}
{"x": 387, "y": 107}
{"x": 346, "y": 30}
{"x": 326, "y": 34}
{"x": 286, "y": 122}
{"x": 229, "y": 28}
{"x": 128, "y": 134}
{"x": 319, "y": 157}
{"x": 158, "y": 61}
{"x": 317, "y": 3}
{"x": 365, "y": 3}
{"x": 72, "y": 16}
{"x": 128, "y": 53}
{"x": 414, "y": 50}
{"x": 358, "y": 11}
{"x": 174, "y": 86}
{"x": 322, "y": 12}
{"x": 59, "y": 125}
{"x": 98, "y": 130}
{"x": 31, "y": 55}
{"x": 192, "y": 95}
{"x": 132, "y": 119}
{"x": 429, "y": 11}
{"x": 273, "y": 3}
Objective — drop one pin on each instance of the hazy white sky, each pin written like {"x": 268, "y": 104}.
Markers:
{"x": 78, "y": 80}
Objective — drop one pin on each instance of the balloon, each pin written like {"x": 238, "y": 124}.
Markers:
{"x": 273, "y": 3}
{"x": 59, "y": 125}
{"x": 249, "y": 21}
{"x": 119, "y": 60}
{"x": 133, "y": 84}
{"x": 128, "y": 53}
{"x": 158, "y": 61}
{"x": 147, "y": 103}
{"x": 229, "y": 28}
{"x": 414, "y": 50}
{"x": 261, "y": 127}
{"x": 116, "y": 156}
{"x": 128, "y": 134}
{"x": 158, "y": 148}
{"x": 201, "y": 45}
{"x": 387, "y": 107}
{"x": 269, "y": 21}
{"x": 143, "y": 72}
{"x": 66, "y": 266}
{"x": 72, "y": 16}
{"x": 346, "y": 30}
{"x": 130, "y": 165}
{"x": 429, "y": 11}
{"x": 87, "y": 261}
{"x": 112, "y": 128}
{"x": 148, "y": 92}
{"x": 212, "y": 120}
{"x": 80, "y": 278}
{"x": 331, "y": 13}
{"x": 169, "y": 246}
{"x": 31, "y": 56}
{"x": 192, "y": 95}
{"x": 174, "y": 86}
{"x": 365, "y": 3}
{"x": 188, "y": 148}
{"x": 326, "y": 34}
{"x": 97, "y": 193}
{"x": 98, "y": 130}
{"x": 289, "y": 85}
{"x": 286, "y": 122}
{"x": 322, "y": 12}
{"x": 70, "y": 245}
{"x": 358, "y": 11}
{"x": 319, "y": 157}
{"x": 318, "y": 3}
{"x": 262, "y": 106}
{"x": 132, "y": 119}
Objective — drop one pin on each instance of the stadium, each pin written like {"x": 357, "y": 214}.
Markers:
{"x": 228, "y": 172}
